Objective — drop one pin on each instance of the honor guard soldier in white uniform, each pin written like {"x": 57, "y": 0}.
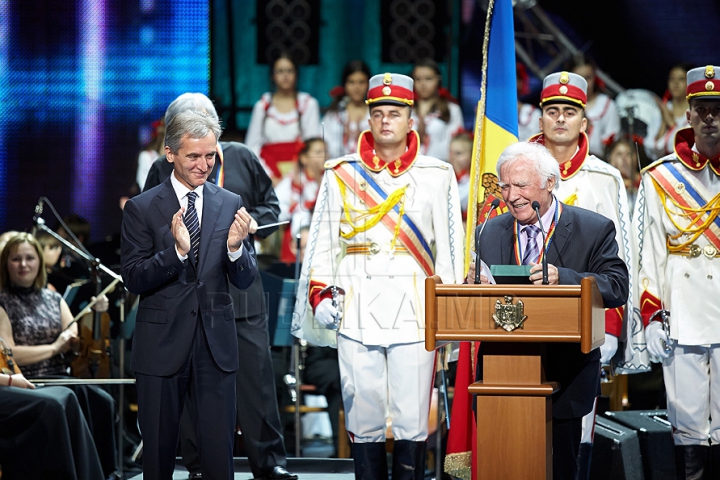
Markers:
{"x": 679, "y": 245}
{"x": 385, "y": 219}
{"x": 590, "y": 183}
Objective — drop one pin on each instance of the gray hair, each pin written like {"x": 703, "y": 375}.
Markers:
{"x": 193, "y": 124}
{"x": 545, "y": 164}
{"x": 190, "y": 101}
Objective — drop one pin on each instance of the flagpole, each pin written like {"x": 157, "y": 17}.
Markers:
{"x": 476, "y": 165}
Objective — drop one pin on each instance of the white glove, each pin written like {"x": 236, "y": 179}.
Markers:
{"x": 325, "y": 313}
{"x": 608, "y": 349}
{"x": 656, "y": 340}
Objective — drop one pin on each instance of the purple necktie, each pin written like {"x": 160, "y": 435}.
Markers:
{"x": 532, "y": 250}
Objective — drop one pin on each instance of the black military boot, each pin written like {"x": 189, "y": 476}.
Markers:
{"x": 370, "y": 461}
{"x": 692, "y": 462}
{"x": 408, "y": 460}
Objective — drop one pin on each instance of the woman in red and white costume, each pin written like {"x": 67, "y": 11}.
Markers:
{"x": 673, "y": 107}
{"x": 281, "y": 120}
{"x": 348, "y": 114}
{"x": 600, "y": 111}
{"x": 436, "y": 115}
{"x": 297, "y": 193}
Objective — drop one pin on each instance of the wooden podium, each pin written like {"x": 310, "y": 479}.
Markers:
{"x": 514, "y": 400}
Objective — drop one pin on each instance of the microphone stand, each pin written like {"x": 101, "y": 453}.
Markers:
{"x": 96, "y": 267}
{"x": 495, "y": 203}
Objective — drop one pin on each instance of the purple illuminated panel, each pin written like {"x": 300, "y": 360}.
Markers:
{"x": 79, "y": 82}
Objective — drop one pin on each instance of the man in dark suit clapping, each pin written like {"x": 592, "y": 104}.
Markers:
{"x": 181, "y": 243}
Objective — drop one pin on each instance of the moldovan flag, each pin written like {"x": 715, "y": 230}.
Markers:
{"x": 496, "y": 127}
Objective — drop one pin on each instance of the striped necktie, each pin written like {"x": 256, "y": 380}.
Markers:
{"x": 192, "y": 223}
{"x": 532, "y": 251}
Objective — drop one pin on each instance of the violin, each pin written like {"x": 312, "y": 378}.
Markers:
{"x": 92, "y": 358}
{"x": 7, "y": 363}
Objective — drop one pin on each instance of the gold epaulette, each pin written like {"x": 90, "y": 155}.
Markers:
{"x": 430, "y": 162}
{"x": 330, "y": 164}
{"x": 657, "y": 162}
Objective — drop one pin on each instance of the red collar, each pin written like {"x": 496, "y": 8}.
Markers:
{"x": 684, "y": 141}
{"x": 366, "y": 150}
{"x": 572, "y": 166}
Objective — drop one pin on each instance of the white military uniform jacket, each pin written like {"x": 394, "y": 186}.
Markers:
{"x": 384, "y": 302}
{"x": 595, "y": 185}
{"x": 686, "y": 282}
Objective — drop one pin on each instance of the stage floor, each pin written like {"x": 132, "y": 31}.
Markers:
{"x": 305, "y": 468}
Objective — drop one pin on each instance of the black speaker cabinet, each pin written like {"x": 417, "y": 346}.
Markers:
{"x": 616, "y": 452}
{"x": 656, "y": 443}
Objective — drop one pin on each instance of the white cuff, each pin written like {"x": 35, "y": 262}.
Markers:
{"x": 233, "y": 256}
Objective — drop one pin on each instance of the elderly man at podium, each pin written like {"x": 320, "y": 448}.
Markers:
{"x": 573, "y": 243}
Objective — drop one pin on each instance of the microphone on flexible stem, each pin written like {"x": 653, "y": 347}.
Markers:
{"x": 495, "y": 204}
{"x": 536, "y": 207}
{"x": 39, "y": 208}
{"x": 37, "y": 218}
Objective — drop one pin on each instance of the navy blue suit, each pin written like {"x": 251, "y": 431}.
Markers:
{"x": 583, "y": 245}
{"x": 185, "y": 339}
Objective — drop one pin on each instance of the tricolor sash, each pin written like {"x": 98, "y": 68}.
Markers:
{"x": 685, "y": 193}
{"x": 365, "y": 188}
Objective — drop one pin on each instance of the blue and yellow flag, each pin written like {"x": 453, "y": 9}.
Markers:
{"x": 496, "y": 127}
{"x": 496, "y": 124}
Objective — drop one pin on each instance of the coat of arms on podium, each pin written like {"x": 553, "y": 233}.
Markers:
{"x": 509, "y": 316}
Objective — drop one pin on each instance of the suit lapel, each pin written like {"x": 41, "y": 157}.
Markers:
{"x": 507, "y": 243}
{"x": 561, "y": 237}
{"x": 168, "y": 203}
{"x": 211, "y": 209}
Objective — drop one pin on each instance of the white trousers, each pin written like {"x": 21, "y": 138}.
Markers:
{"x": 692, "y": 383}
{"x": 378, "y": 382}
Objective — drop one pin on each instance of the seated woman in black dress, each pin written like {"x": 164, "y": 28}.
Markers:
{"x": 39, "y": 321}
{"x": 43, "y": 433}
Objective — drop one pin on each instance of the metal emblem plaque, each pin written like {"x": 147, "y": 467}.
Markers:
{"x": 509, "y": 316}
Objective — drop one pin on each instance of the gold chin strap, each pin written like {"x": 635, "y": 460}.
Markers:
{"x": 694, "y": 230}
{"x": 366, "y": 219}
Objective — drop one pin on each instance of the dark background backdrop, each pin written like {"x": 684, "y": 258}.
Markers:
{"x": 81, "y": 81}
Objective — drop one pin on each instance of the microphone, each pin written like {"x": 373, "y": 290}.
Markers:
{"x": 536, "y": 207}
{"x": 38, "y": 222}
{"x": 39, "y": 206}
{"x": 495, "y": 204}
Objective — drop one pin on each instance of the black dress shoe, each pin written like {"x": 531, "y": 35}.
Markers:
{"x": 279, "y": 473}
{"x": 195, "y": 476}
